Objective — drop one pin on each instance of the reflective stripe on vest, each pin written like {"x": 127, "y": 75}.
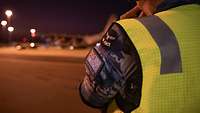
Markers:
{"x": 166, "y": 40}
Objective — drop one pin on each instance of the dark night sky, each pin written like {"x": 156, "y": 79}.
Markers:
{"x": 62, "y": 16}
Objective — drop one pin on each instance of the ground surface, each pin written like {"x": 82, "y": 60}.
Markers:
{"x": 41, "y": 81}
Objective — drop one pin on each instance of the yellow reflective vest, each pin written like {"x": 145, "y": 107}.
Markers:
{"x": 168, "y": 44}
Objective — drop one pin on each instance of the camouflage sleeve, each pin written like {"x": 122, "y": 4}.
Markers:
{"x": 110, "y": 65}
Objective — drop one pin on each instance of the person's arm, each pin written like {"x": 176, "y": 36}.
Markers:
{"x": 109, "y": 65}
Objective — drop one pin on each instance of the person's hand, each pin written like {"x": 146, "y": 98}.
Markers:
{"x": 133, "y": 13}
{"x": 143, "y": 8}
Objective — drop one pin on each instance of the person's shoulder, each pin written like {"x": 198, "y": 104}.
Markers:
{"x": 168, "y": 4}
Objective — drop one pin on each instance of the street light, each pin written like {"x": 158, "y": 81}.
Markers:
{"x": 4, "y": 23}
{"x": 33, "y": 32}
{"x": 8, "y": 13}
{"x": 11, "y": 29}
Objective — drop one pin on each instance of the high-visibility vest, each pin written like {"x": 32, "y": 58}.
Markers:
{"x": 168, "y": 44}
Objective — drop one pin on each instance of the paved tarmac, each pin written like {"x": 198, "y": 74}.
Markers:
{"x": 41, "y": 81}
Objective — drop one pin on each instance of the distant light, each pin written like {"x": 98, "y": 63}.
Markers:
{"x": 71, "y": 47}
{"x": 4, "y": 23}
{"x": 11, "y": 29}
{"x": 32, "y": 30}
{"x": 8, "y": 13}
{"x": 18, "y": 47}
{"x": 32, "y": 45}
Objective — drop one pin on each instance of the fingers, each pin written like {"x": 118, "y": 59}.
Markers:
{"x": 143, "y": 8}
{"x": 149, "y": 7}
{"x": 131, "y": 13}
